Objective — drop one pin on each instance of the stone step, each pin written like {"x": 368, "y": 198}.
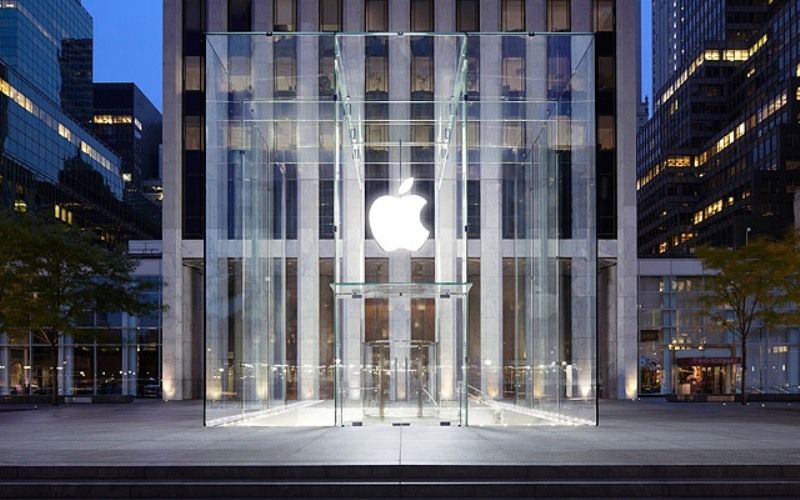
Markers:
{"x": 112, "y": 489}
{"x": 400, "y": 481}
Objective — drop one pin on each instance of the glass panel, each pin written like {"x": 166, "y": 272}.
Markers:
{"x": 542, "y": 369}
{"x": 247, "y": 158}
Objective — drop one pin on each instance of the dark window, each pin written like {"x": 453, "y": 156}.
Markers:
{"x": 193, "y": 16}
{"x": 468, "y": 15}
{"x": 558, "y": 16}
{"x": 376, "y": 15}
{"x": 422, "y": 15}
{"x": 330, "y": 15}
{"x": 513, "y": 15}
{"x": 239, "y": 15}
{"x": 473, "y": 209}
{"x": 285, "y": 15}
{"x": 325, "y": 209}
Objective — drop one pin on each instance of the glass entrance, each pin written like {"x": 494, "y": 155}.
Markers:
{"x": 400, "y": 381}
{"x": 387, "y": 164}
{"x": 403, "y": 373}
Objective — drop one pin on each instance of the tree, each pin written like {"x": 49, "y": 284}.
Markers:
{"x": 751, "y": 287}
{"x": 58, "y": 274}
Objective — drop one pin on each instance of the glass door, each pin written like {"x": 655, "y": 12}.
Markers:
{"x": 401, "y": 381}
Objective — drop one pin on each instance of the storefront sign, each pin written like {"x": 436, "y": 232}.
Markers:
{"x": 707, "y": 361}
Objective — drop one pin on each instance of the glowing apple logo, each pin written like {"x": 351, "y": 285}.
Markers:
{"x": 394, "y": 220}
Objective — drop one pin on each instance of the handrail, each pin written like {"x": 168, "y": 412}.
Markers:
{"x": 435, "y": 404}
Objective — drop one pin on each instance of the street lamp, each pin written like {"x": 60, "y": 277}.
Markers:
{"x": 747, "y": 236}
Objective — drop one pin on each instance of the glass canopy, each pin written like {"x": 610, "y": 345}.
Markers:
{"x": 369, "y": 151}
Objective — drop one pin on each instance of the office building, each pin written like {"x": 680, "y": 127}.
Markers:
{"x": 685, "y": 357}
{"x": 51, "y": 163}
{"x": 126, "y": 120}
{"x": 717, "y": 162}
{"x": 717, "y": 165}
{"x": 286, "y": 121}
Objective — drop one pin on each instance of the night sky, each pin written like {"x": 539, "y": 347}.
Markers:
{"x": 647, "y": 52}
{"x": 127, "y": 43}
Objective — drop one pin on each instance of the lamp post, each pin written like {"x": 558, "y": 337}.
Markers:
{"x": 747, "y": 236}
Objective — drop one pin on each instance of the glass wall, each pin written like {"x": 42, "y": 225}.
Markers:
{"x": 399, "y": 135}
{"x": 535, "y": 116}
{"x": 251, "y": 146}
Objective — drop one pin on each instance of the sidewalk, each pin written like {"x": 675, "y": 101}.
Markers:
{"x": 649, "y": 432}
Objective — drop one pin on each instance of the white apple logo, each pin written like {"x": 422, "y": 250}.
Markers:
{"x": 395, "y": 222}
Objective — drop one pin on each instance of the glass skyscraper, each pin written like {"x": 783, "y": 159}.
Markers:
{"x": 50, "y": 163}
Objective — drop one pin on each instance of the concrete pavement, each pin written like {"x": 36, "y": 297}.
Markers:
{"x": 647, "y": 432}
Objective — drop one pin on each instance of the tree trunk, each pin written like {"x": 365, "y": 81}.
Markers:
{"x": 54, "y": 372}
{"x": 744, "y": 372}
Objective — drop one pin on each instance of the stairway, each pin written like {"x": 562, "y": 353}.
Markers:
{"x": 400, "y": 481}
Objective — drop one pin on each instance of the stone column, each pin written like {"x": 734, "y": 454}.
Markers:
{"x": 491, "y": 205}
{"x": 350, "y": 249}
{"x": 399, "y": 169}
{"x": 172, "y": 214}
{"x": 448, "y": 205}
{"x": 628, "y": 91}
{"x": 308, "y": 204}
